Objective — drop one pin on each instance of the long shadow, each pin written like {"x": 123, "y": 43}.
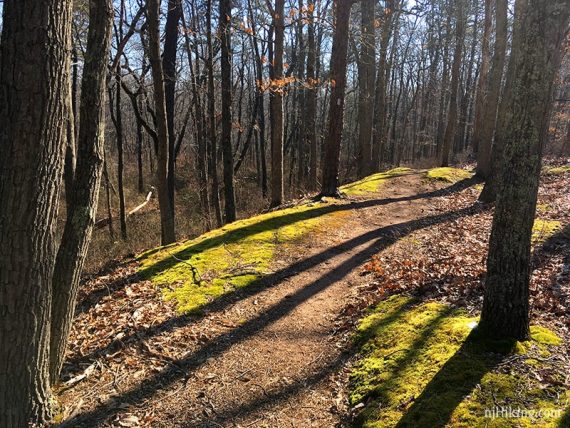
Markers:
{"x": 273, "y": 397}
{"x": 381, "y": 238}
{"x": 388, "y": 235}
{"x": 231, "y": 236}
{"x": 237, "y": 234}
{"x": 234, "y": 235}
{"x": 454, "y": 381}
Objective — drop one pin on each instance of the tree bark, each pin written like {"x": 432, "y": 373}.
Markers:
{"x": 489, "y": 113}
{"x": 482, "y": 83}
{"x": 336, "y": 106}
{"x": 366, "y": 77}
{"x": 226, "y": 72}
{"x": 455, "y": 71}
{"x": 534, "y": 63}
{"x": 276, "y": 105}
{"x": 311, "y": 99}
{"x": 36, "y": 38}
{"x": 166, "y": 219}
{"x": 169, "y": 66}
{"x": 85, "y": 189}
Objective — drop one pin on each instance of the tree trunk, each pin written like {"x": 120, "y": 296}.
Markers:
{"x": 483, "y": 82}
{"x": 311, "y": 99}
{"x": 34, "y": 97}
{"x": 489, "y": 113}
{"x": 120, "y": 156}
{"x": 169, "y": 67}
{"x": 336, "y": 106}
{"x": 166, "y": 219}
{"x": 276, "y": 105}
{"x": 226, "y": 72}
{"x": 379, "y": 130}
{"x": 85, "y": 190}
{"x": 506, "y": 303}
{"x": 366, "y": 88}
{"x": 455, "y": 71}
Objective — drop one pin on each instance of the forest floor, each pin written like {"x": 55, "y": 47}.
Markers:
{"x": 254, "y": 324}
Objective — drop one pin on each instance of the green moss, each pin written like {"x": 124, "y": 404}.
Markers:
{"x": 421, "y": 366}
{"x": 371, "y": 183}
{"x": 544, "y": 229}
{"x": 196, "y": 271}
{"x": 558, "y": 170}
{"x": 543, "y": 208}
{"x": 451, "y": 175}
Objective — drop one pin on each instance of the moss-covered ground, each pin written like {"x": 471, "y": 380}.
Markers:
{"x": 373, "y": 182}
{"x": 422, "y": 365}
{"x": 449, "y": 174}
{"x": 197, "y": 271}
{"x": 543, "y": 229}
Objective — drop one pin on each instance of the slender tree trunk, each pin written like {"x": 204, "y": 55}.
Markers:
{"x": 336, "y": 106}
{"x": 366, "y": 88}
{"x": 166, "y": 219}
{"x": 489, "y": 113}
{"x": 36, "y": 36}
{"x": 489, "y": 192}
{"x": 169, "y": 67}
{"x": 85, "y": 190}
{"x": 379, "y": 130}
{"x": 311, "y": 99}
{"x": 70, "y": 150}
{"x": 276, "y": 106}
{"x": 120, "y": 156}
{"x": 212, "y": 119}
{"x": 483, "y": 82}
{"x": 543, "y": 27}
{"x": 455, "y": 71}
{"x": 226, "y": 72}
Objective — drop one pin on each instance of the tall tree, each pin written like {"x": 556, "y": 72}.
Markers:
{"x": 311, "y": 99}
{"x": 366, "y": 63}
{"x": 451, "y": 127}
{"x": 336, "y": 103}
{"x": 276, "y": 105}
{"x": 226, "y": 66}
{"x": 166, "y": 218}
{"x": 491, "y": 100}
{"x": 173, "y": 16}
{"x": 534, "y": 61}
{"x": 482, "y": 83}
{"x": 36, "y": 35}
{"x": 85, "y": 189}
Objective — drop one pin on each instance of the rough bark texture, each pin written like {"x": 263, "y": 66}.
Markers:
{"x": 34, "y": 91}
{"x": 166, "y": 218}
{"x": 336, "y": 106}
{"x": 482, "y": 83}
{"x": 84, "y": 194}
{"x": 169, "y": 66}
{"x": 491, "y": 102}
{"x": 379, "y": 130}
{"x": 366, "y": 77}
{"x": 534, "y": 62}
{"x": 227, "y": 154}
{"x": 455, "y": 71}
{"x": 311, "y": 99}
{"x": 276, "y": 106}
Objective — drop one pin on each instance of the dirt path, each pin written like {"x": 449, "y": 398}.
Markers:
{"x": 275, "y": 356}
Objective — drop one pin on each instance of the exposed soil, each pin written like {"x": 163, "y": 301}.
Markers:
{"x": 266, "y": 356}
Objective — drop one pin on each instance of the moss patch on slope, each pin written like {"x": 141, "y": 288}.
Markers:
{"x": 422, "y": 366}
{"x": 558, "y": 170}
{"x": 372, "y": 183}
{"x": 195, "y": 272}
{"x": 543, "y": 229}
{"x": 449, "y": 174}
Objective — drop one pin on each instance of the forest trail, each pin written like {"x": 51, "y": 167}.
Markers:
{"x": 272, "y": 356}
